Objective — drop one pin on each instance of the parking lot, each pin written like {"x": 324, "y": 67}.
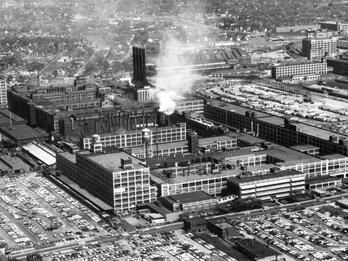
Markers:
{"x": 176, "y": 246}
{"x": 36, "y": 213}
{"x": 310, "y": 234}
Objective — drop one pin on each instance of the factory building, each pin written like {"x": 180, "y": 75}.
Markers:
{"x": 184, "y": 147}
{"x": 209, "y": 172}
{"x": 334, "y": 26}
{"x": 340, "y": 65}
{"x": 323, "y": 182}
{"x": 275, "y": 129}
{"x": 222, "y": 229}
{"x": 208, "y": 59}
{"x": 118, "y": 179}
{"x": 134, "y": 138}
{"x": 49, "y": 109}
{"x": 190, "y": 105}
{"x": 265, "y": 187}
{"x": 308, "y": 149}
{"x": 258, "y": 251}
{"x": 192, "y": 202}
{"x": 317, "y": 48}
{"x": 289, "y": 70}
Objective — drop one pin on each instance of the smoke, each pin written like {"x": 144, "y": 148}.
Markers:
{"x": 174, "y": 78}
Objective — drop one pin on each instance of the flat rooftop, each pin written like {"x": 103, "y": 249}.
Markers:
{"x": 5, "y": 116}
{"x": 212, "y": 140}
{"x": 317, "y": 132}
{"x": 112, "y": 161}
{"x": 283, "y": 173}
{"x": 249, "y": 139}
{"x": 160, "y": 146}
{"x": 158, "y": 177}
{"x": 317, "y": 179}
{"x": 238, "y": 153}
{"x": 289, "y": 156}
{"x": 21, "y": 132}
{"x": 275, "y": 120}
{"x": 305, "y": 147}
{"x": 256, "y": 248}
{"x": 237, "y": 109}
{"x": 333, "y": 156}
{"x": 68, "y": 156}
{"x": 153, "y": 129}
{"x": 190, "y": 197}
{"x": 14, "y": 163}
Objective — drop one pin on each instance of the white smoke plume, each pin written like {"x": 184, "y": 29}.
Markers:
{"x": 173, "y": 84}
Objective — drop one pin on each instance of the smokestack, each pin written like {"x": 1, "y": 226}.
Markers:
{"x": 139, "y": 69}
{"x": 135, "y": 64}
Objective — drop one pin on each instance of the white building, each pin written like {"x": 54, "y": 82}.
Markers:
{"x": 3, "y": 93}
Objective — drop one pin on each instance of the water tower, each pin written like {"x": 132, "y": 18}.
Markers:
{"x": 96, "y": 145}
{"x": 147, "y": 140}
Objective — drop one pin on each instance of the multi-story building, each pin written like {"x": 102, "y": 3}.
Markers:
{"x": 3, "y": 94}
{"x": 280, "y": 184}
{"x": 274, "y": 128}
{"x": 308, "y": 149}
{"x": 323, "y": 182}
{"x": 334, "y": 26}
{"x": 296, "y": 28}
{"x": 134, "y": 138}
{"x": 340, "y": 65}
{"x": 191, "y": 202}
{"x": 289, "y": 70}
{"x": 191, "y": 104}
{"x": 342, "y": 43}
{"x": 207, "y": 59}
{"x": 118, "y": 179}
{"x": 182, "y": 147}
{"x": 53, "y": 109}
{"x": 210, "y": 172}
{"x": 317, "y": 48}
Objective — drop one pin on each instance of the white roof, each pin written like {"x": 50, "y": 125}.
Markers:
{"x": 40, "y": 154}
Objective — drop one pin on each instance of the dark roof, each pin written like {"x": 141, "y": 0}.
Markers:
{"x": 190, "y": 197}
{"x": 304, "y": 147}
{"x": 319, "y": 179}
{"x": 333, "y": 156}
{"x": 21, "y": 132}
{"x": 256, "y": 248}
{"x": 5, "y": 118}
{"x": 283, "y": 173}
{"x": 232, "y": 153}
{"x": 195, "y": 220}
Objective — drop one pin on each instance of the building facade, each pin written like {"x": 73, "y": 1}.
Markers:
{"x": 118, "y": 179}
{"x": 334, "y": 26}
{"x": 193, "y": 202}
{"x": 134, "y": 138}
{"x": 317, "y": 48}
{"x": 340, "y": 66}
{"x": 323, "y": 182}
{"x": 289, "y": 70}
{"x": 3, "y": 94}
{"x": 275, "y": 129}
{"x": 265, "y": 187}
